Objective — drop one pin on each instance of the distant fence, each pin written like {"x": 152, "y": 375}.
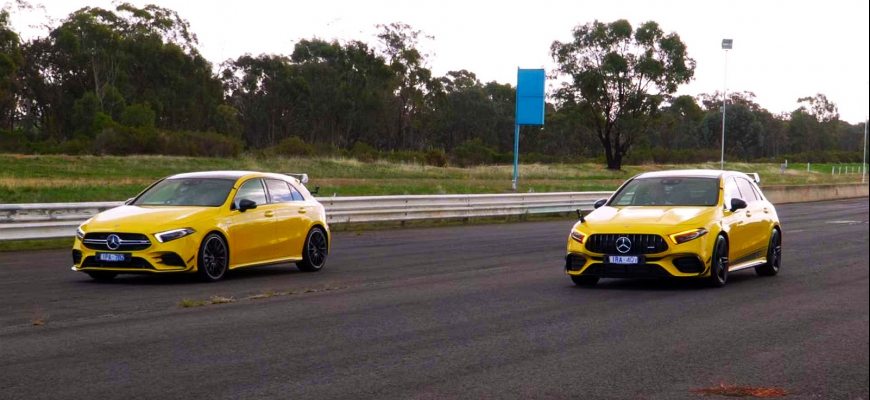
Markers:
{"x": 59, "y": 220}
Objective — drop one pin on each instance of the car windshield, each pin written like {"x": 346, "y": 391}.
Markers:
{"x": 187, "y": 192}
{"x": 669, "y": 192}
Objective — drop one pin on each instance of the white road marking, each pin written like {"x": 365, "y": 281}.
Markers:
{"x": 843, "y": 222}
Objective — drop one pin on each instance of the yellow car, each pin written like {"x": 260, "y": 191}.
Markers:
{"x": 686, "y": 224}
{"x": 207, "y": 223}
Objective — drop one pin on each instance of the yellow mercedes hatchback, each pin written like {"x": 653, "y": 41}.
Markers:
{"x": 207, "y": 223}
{"x": 685, "y": 224}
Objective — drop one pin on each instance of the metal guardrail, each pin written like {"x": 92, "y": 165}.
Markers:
{"x": 59, "y": 220}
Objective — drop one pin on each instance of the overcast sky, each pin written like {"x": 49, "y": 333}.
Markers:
{"x": 783, "y": 50}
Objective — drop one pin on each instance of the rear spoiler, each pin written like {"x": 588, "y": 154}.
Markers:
{"x": 755, "y": 177}
{"x": 301, "y": 177}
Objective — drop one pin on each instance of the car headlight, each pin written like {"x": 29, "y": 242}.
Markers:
{"x": 80, "y": 233}
{"x": 578, "y": 236}
{"x": 164, "y": 237}
{"x": 685, "y": 236}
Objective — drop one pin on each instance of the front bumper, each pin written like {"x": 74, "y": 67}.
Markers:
{"x": 687, "y": 260}
{"x": 177, "y": 256}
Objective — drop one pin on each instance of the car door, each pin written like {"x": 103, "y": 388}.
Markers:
{"x": 250, "y": 231}
{"x": 290, "y": 223}
{"x": 757, "y": 227}
{"x": 737, "y": 223}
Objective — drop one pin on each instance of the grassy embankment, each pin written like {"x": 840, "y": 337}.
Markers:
{"x": 48, "y": 179}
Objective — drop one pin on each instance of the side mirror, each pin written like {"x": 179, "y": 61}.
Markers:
{"x": 601, "y": 202}
{"x": 247, "y": 204}
{"x": 737, "y": 204}
{"x": 129, "y": 201}
{"x": 315, "y": 191}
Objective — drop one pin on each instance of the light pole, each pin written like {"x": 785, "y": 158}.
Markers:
{"x": 864, "y": 163}
{"x": 727, "y": 44}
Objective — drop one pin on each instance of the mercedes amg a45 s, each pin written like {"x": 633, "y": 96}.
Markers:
{"x": 685, "y": 224}
{"x": 206, "y": 223}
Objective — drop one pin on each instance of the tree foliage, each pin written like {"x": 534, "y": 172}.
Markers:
{"x": 132, "y": 80}
{"x": 622, "y": 74}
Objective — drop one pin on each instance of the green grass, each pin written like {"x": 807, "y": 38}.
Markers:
{"x": 47, "y": 179}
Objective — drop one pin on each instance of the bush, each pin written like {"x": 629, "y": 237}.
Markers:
{"x": 325, "y": 150}
{"x": 198, "y": 144}
{"x": 435, "y": 158}
{"x": 13, "y": 142}
{"x": 138, "y": 116}
{"x": 292, "y": 147}
{"x": 121, "y": 140}
{"x": 472, "y": 152}
{"x": 364, "y": 152}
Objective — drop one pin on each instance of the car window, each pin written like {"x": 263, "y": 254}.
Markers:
{"x": 252, "y": 190}
{"x": 731, "y": 191}
{"x": 187, "y": 192}
{"x": 669, "y": 191}
{"x": 757, "y": 191}
{"x": 297, "y": 195}
{"x": 746, "y": 191}
{"x": 279, "y": 191}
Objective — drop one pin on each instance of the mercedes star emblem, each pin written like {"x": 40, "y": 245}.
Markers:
{"x": 113, "y": 242}
{"x": 623, "y": 245}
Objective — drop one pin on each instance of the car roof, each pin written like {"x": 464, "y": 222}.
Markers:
{"x": 230, "y": 175}
{"x": 695, "y": 173}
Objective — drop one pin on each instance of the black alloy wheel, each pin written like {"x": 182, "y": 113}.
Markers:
{"x": 213, "y": 258}
{"x": 584, "y": 280}
{"x": 719, "y": 265}
{"x": 102, "y": 276}
{"x": 314, "y": 251}
{"x": 774, "y": 256}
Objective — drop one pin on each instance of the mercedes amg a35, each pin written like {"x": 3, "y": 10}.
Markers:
{"x": 206, "y": 223}
{"x": 684, "y": 224}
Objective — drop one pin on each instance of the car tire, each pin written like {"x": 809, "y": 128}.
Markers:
{"x": 214, "y": 258}
{"x": 774, "y": 256}
{"x": 314, "y": 251}
{"x": 102, "y": 276}
{"x": 719, "y": 264}
{"x": 584, "y": 280}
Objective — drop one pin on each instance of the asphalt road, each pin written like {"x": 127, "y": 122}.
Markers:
{"x": 459, "y": 312}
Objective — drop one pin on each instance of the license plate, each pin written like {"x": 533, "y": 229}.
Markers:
{"x": 112, "y": 257}
{"x": 623, "y": 259}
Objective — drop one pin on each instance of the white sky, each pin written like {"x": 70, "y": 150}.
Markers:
{"x": 782, "y": 49}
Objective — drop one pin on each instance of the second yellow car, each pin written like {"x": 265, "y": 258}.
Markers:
{"x": 685, "y": 224}
{"x": 207, "y": 223}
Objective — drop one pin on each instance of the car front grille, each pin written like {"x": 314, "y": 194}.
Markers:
{"x": 639, "y": 243}
{"x": 127, "y": 242}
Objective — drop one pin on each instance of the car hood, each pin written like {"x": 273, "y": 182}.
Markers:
{"x": 147, "y": 220}
{"x": 620, "y": 218}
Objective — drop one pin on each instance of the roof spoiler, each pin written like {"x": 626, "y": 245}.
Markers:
{"x": 301, "y": 177}
{"x": 756, "y": 177}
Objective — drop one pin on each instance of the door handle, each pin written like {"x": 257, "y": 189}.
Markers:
{"x": 303, "y": 210}
{"x": 270, "y": 213}
{"x": 766, "y": 211}
{"x": 748, "y": 214}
